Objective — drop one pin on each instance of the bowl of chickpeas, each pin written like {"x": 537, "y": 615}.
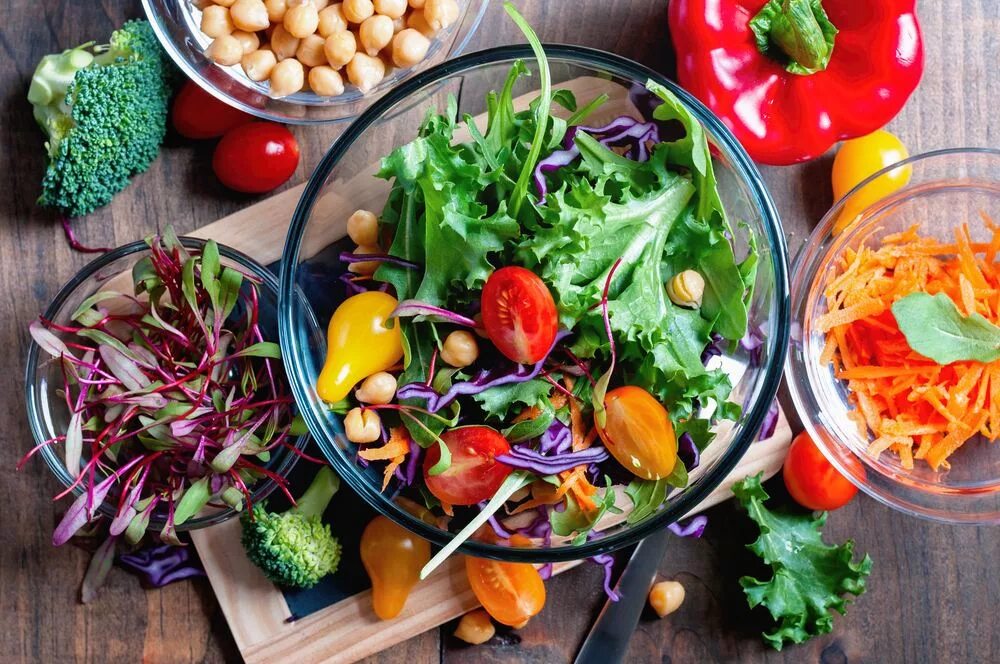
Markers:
{"x": 309, "y": 61}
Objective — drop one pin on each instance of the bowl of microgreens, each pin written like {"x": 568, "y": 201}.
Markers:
{"x": 155, "y": 389}
{"x": 559, "y": 313}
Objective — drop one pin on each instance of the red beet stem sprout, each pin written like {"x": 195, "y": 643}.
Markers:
{"x": 176, "y": 384}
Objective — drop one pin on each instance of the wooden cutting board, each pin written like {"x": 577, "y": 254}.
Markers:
{"x": 346, "y": 629}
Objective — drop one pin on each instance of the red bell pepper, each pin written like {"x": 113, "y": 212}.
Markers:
{"x": 792, "y": 77}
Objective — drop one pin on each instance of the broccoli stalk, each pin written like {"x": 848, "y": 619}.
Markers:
{"x": 104, "y": 111}
{"x": 295, "y": 548}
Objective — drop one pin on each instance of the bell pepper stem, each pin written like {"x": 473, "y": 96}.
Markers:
{"x": 797, "y": 31}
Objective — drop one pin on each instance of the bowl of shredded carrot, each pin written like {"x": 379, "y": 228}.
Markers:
{"x": 895, "y": 360}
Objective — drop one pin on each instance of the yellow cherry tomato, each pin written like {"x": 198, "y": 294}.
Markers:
{"x": 393, "y": 558}
{"x": 638, "y": 432}
{"x": 859, "y": 158}
{"x": 359, "y": 344}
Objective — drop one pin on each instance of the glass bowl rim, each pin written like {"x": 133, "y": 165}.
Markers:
{"x": 35, "y": 409}
{"x": 819, "y": 249}
{"x": 777, "y": 340}
{"x": 192, "y": 74}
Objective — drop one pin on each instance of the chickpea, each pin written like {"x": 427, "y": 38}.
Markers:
{"x": 666, "y": 597}
{"x": 390, "y": 8}
{"x": 225, "y": 50}
{"x": 418, "y": 22}
{"x": 276, "y": 10}
{"x": 378, "y": 388}
{"x": 250, "y": 15}
{"x": 301, "y": 21}
{"x": 375, "y": 33}
{"x": 475, "y": 627}
{"x": 460, "y": 349}
{"x": 259, "y": 64}
{"x": 340, "y": 47}
{"x": 357, "y": 11}
{"x": 362, "y": 426}
{"x": 362, "y": 227}
{"x": 366, "y": 268}
{"x": 283, "y": 43}
{"x": 365, "y": 71}
{"x": 409, "y": 47}
{"x": 417, "y": 4}
{"x": 332, "y": 20}
{"x": 686, "y": 289}
{"x": 216, "y": 21}
{"x": 310, "y": 51}
{"x": 225, "y": 3}
{"x": 249, "y": 40}
{"x": 287, "y": 78}
{"x": 440, "y": 13}
{"x": 320, "y": 5}
{"x": 326, "y": 81}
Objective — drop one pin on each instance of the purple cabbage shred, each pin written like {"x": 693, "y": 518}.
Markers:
{"x": 157, "y": 566}
{"x": 713, "y": 349}
{"x": 693, "y": 527}
{"x": 770, "y": 422}
{"x": 557, "y": 439}
{"x": 350, "y": 257}
{"x": 606, "y": 561}
{"x": 688, "y": 451}
{"x": 528, "y": 459}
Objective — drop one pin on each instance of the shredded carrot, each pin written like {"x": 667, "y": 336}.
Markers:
{"x": 529, "y": 413}
{"x": 576, "y": 424}
{"x": 906, "y": 403}
{"x": 394, "y": 451}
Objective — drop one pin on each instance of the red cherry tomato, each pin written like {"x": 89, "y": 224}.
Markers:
{"x": 813, "y": 482}
{"x": 519, "y": 314}
{"x": 474, "y": 474}
{"x": 197, "y": 114}
{"x": 638, "y": 432}
{"x": 256, "y": 158}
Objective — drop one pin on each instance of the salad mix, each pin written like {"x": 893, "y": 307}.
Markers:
{"x": 538, "y": 314}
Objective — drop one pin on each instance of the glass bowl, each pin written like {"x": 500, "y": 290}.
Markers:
{"x": 947, "y": 188}
{"x": 48, "y": 415}
{"x": 344, "y": 181}
{"x": 177, "y": 25}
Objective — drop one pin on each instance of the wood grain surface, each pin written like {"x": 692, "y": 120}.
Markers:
{"x": 933, "y": 593}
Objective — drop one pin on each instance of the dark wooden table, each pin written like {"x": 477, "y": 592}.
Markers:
{"x": 934, "y": 591}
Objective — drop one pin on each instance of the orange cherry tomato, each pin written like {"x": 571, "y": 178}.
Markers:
{"x": 812, "y": 480}
{"x": 393, "y": 558}
{"x": 638, "y": 432}
{"x": 859, "y": 158}
{"x": 510, "y": 592}
{"x": 519, "y": 314}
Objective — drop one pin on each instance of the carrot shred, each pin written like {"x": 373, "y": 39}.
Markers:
{"x": 394, "y": 451}
{"x": 906, "y": 403}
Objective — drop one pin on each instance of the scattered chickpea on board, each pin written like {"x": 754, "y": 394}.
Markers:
{"x": 314, "y": 45}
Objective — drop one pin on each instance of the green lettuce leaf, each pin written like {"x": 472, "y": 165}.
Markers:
{"x": 810, "y": 578}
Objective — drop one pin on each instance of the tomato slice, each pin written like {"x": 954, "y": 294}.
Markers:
{"x": 474, "y": 474}
{"x": 519, "y": 314}
{"x": 638, "y": 432}
{"x": 197, "y": 114}
{"x": 812, "y": 480}
{"x": 510, "y": 592}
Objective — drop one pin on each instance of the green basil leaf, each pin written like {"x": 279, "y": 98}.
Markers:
{"x": 935, "y": 328}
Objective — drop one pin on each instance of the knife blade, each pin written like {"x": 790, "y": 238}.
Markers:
{"x": 607, "y": 642}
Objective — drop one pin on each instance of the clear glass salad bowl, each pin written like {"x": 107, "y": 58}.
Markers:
{"x": 344, "y": 181}
{"x": 48, "y": 415}
{"x": 946, "y": 189}
{"x": 176, "y": 23}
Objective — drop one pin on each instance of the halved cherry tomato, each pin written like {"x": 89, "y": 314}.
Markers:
{"x": 197, "y": 114}
{"x": 510, "y": 592}
{"x": 812, "y": 480}
{"x": 638, "y": 432}
{"x": 393, "y": 558}
{"x": 256, "y": 158}
{"x": 519, "y": 314}
{"x": 474, "y": 474}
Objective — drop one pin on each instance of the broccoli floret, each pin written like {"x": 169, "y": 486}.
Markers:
{"x": 295, "y": 548}
{"x": 104, "y": 110}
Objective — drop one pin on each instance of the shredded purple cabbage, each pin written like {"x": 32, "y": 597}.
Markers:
{"x": 408, "y": 308}
{"x": 693, "y": 527}
{"x": 687, "y": 451}
{"x": 526, "y": 458}
{"x": 622, "y": 131}
{"x": 350, "y": 257}
{"x": 713, "y": 349}
{"x": 500, "y": 531}
{"x": 157, "y": 566}
{"x": 752, "y": 342}
{"x": 557, "y": 439}
{"x": 606, "y": 561}
{"x": 483, "y": 381}
{"x": 770, "y": 422}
